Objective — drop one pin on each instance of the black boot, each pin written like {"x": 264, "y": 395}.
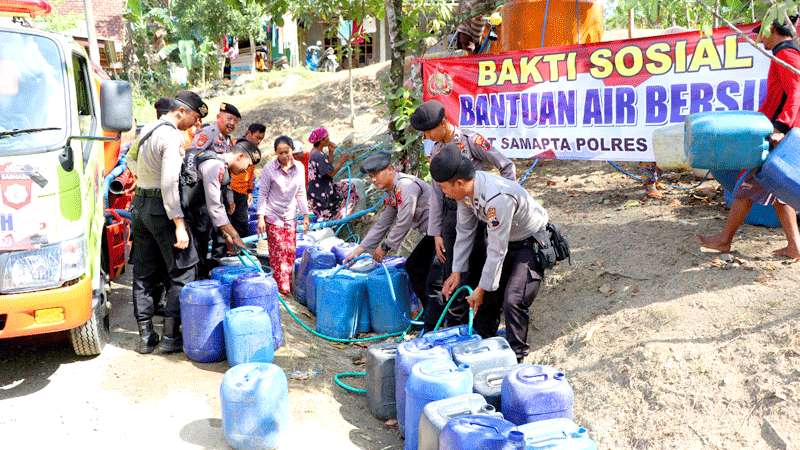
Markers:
{"x": 148, "y": 338}
{"x": 172, "y": 341}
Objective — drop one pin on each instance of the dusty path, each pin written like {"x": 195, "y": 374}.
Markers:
{"x": 666, "y": 346}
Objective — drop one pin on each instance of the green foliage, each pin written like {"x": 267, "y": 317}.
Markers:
{"x": 58, "y": 23}
{"x": 661, "y": 14}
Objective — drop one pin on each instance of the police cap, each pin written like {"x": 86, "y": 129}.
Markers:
{"x": 376, "y": 162}
{"x": 192, "y": 101}
{"x": 230, "y": 109}
{"x": 428, "y": 116}
{"x": 250, "y": 149}
{"x": 450, "y": 163}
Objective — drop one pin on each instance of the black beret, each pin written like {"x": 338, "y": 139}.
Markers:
{"x": 193, "y": 102}
{"x": 376, "y": 162}
{"x": 249, "y": 148}
{"x": 428, "y": 116}
{"x": 230, "y": 109}
{"x": 163, "y": 105}
{"x": 448, "y": 163}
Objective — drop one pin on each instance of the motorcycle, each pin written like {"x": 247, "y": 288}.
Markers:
{"x": 313, "y": 56}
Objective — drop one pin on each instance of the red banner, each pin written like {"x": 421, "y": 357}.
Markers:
{"x": 619, "y": 100}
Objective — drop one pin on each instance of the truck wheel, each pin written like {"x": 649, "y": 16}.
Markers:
{"x": 90, "y": 338}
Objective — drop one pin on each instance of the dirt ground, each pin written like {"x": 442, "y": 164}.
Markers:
{"x": 666, "y": 346}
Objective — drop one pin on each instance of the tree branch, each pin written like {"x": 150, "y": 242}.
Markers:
{"x": 749, "y": 40}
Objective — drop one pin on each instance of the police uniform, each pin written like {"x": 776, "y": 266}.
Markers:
{"x": 511, "y": 273}
{"x": 155, "y": 205}
{"x": 442, "y": 220}
{"x": 406, "y": 208}
{"x": 211, "y": 137}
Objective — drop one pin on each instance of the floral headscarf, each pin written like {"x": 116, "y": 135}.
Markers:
{"x": 318, "y": 135}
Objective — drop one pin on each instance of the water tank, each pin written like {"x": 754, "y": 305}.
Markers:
{"x": 484, "y": 354}
{"x": 431, "y": 381}
{"x": 260, "y": 289}
{"x": 726, "y": 139}
{"x": 780, "y": 174}
{"x": 388, "y": 314}
{"x": 255, "y": 406}
{"x": 408, "y": 354}
{"x": 203, "y": 308}
{"x": 531, "y": 393}
{"x": 380, "y": 379}
{"x": 436, "y": 414}
{"x": 248, "y": 335}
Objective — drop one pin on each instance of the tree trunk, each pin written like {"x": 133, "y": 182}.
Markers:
{"x": 716, "y": 16}
{"x": 350, "y": 81}
{"x": 394, "y": 9}
{"x": 752, "y": 11}
{"x": 252, "y": 53}
{"x": 688, "y": 17}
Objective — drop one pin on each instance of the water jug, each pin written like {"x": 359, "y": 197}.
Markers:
{"x": 203, "y": 308}
{"x": 302, "y": 244}
{"x": 668, "y": 147}
{"x": 320, "y": 234}
{"x": 408, "y": 354}
{"x": 431, "y": 381}
{"x": 342, "y": 250}
{"x": 380, "y": 379}
{"x": 255, "y": 405}
{"x": 760, "y": 215}
{"x": 312, "y": 281}
{"x": 260, "y": 289}
{"x": 489, "y": 382}
{"x": 531, "y": 393}
{"x": 252, "y": 227}
{"x": 338, "y": 303}
{"x": 727, "y": 140}
{"x": 230, "y": 261}
{"x": 228, "y": 275}
{"x": 484, "y": 354}
{"x": 313, "y": 259}
{"x": 327, "y": 244}
{"x": 478, "y": 432}
{"x": 248, "y": 335}
{"x": 436, "y": 414}
{"x": 781, "y": 172}
{"x": 555, "y": 434}
{"x": 450, "y": 337}
{"x": 388, "y": 314}
{"x": 364, "y": 319}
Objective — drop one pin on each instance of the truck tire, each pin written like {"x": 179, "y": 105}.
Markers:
{"x": 90, "y": 338}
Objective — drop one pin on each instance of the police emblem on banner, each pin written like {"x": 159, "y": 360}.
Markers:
{"x": 440, "y": 84}
{"x": 15, "y": 187}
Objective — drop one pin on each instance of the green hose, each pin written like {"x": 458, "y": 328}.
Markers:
{"x": 447, "y": 306}
{"x": 337, "y": 379}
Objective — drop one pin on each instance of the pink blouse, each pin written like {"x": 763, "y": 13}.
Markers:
{"x": 281, "y": 193}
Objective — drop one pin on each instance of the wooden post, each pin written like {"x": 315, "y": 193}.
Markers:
{"x": 631, "y": 25}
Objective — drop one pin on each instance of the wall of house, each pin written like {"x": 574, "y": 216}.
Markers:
{"x": 316, "y": 32}
{"x": 107, "y": 15}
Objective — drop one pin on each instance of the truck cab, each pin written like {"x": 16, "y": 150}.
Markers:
{"x": 53, "y": 118}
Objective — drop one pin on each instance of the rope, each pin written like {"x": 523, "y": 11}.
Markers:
{"x": 670, "y": 186}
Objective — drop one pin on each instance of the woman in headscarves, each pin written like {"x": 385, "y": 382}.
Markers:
{"x": 323, "y": 195}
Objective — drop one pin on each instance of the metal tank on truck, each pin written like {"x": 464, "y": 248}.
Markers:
{"x": 59, "y": 244}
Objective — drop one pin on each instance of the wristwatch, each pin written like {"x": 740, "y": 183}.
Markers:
{"x": 385, "y": 247}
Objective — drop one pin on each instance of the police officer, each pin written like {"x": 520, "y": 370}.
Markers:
{"x": 218, "y": 137}
{"x": 205, "y": 174}
{"x": 511, "y": 275}
{"x": 406, "y": 207}
{"x": 430, "y": 119}
{"x": 161, "y": 242}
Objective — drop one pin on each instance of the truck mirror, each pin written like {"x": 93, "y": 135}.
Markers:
{"x": 116, "y": 105}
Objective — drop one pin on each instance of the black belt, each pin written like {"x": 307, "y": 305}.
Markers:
{"x": 529, "y": 241}
{"x": 148, "y": 193}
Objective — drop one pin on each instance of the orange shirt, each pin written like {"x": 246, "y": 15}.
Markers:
{"x": 244, "y": 182}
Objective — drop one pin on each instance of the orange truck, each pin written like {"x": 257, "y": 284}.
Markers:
{"x": 60, "y": 240}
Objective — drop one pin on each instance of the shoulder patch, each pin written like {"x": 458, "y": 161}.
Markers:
{"x": 202, "y": 140}
{"x": 491, "y": 218}
{"x": 481, "y": 142}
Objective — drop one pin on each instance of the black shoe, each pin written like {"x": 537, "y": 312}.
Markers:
{"x": 172, "y": 341}
{"x": 148, "y": 338}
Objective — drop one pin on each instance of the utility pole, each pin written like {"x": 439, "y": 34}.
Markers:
{"x": 91, "y": 34}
